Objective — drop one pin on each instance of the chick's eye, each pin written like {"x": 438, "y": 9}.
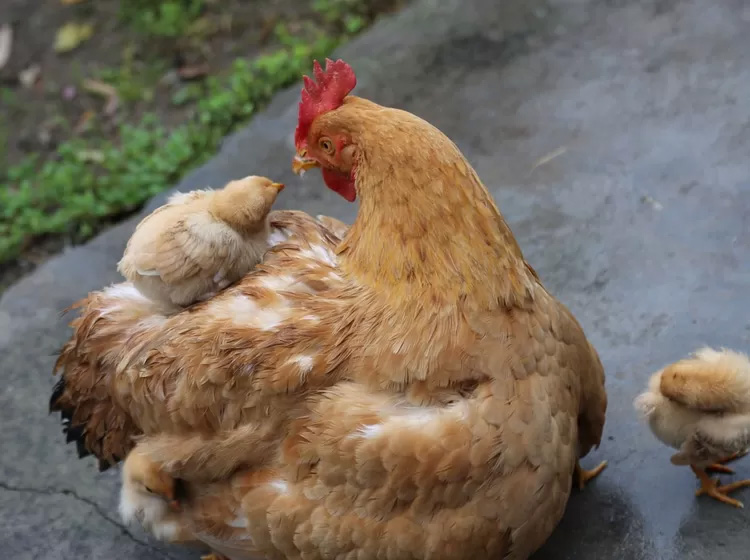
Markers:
{"x": 149, "y": 490}
{"x": 326, "y": 145}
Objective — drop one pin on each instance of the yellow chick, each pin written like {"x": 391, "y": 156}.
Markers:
{"x": 148, "y": 496}
{"x": 701, "y": 407}
{"x": 200, "y": 242}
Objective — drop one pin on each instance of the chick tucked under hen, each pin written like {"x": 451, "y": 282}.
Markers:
{"x": 148, "y": 496}
{"x": 701, "y": 407}
{"x": 200, "y": 242}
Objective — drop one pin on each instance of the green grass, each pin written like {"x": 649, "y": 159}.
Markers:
{"x": 165, "y": 18}
{"x": 89, "y": 182}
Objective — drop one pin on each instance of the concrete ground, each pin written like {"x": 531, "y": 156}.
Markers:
{"x": 616, "y": 139}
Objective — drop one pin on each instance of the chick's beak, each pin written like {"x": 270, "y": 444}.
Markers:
{"x": 302, "y": 163}
{"x": 278, "y": 186}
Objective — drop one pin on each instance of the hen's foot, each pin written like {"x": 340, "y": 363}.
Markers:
{"x": 583, "y": 476}
{"x": 720, "y": 467}
{"x": 710, "y": 487}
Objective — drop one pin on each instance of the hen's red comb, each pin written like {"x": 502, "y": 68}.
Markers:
{"x": 332, "y": 86}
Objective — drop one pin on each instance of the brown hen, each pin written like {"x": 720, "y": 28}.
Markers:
{"x": 408, "y": 391}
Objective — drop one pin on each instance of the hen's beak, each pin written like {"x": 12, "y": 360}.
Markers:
{"x": 302, "y": 163}
{"x": 278, "y": 186}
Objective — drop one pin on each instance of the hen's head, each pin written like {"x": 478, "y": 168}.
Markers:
{"x": 416, "y": 188}
{"x": 323, "y": 146}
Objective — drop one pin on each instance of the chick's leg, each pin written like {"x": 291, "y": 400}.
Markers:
{"x": 711, "y": 487}
{"x": 720, "y": 467}
{"x": 583, "y": 476}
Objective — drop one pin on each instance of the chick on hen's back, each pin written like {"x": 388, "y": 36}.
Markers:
{"x": 200, "y": 242}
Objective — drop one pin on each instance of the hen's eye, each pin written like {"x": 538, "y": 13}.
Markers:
{"x": 326, "y": 145}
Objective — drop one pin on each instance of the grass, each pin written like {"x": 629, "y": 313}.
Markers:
{"x": 91, "y": 182}
{"x": 168, "y": 18}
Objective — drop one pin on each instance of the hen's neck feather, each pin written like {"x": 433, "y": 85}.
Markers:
{"x": 427, "y": 227}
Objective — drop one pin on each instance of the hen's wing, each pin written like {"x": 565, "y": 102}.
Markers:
{"x": 336, "y": 226}
{"x": 710, "y": 380}
{"x": 584, "y": 360}
{"x": 229, "y": 361}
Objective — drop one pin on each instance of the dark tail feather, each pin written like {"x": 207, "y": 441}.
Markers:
{"x": 81, "y": 448}
{"x": 57, "y": 392}
{"x": 72, "y": 433}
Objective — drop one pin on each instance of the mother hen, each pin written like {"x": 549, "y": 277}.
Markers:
{"x": 408, "y": 391}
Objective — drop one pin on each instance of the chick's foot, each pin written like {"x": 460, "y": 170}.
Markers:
{"x": 583, "y": 476}
{"x": 710, "y": 487}
{"x": 720, "y": 467}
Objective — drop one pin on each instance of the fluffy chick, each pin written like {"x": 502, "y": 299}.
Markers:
{"x": 701, "y": 407}
{"x": 148, "y": 496}
{"x": 200, "y": 242}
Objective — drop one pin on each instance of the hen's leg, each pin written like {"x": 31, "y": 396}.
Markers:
{"x": 583, "y": 476}
{"x": 720, "y": 467}
{"x": 711, "y": 487}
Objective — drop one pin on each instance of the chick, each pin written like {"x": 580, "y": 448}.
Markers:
{"x": 149, "y": 496}
{"x": 200, "y": 242}
{"x": 701, "y": 407}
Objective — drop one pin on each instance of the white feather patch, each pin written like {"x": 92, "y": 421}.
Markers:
{"x": 371, "y": 431}
{"x": 320, "y": 254}
{"x": 278, "y": 283}
{"x": 125, "y": 290}
{"x": 280, "y": 486}
{"x": 304, "y": 362}
{"x": 239, "y": 522}
{"x": 278, "y": 236}
{"x": 247, "y": 311}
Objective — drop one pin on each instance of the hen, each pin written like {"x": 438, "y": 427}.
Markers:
{"x": 701, "y": 407}
{"x": 408, "y": 391}
{"x": 200, "y": 242}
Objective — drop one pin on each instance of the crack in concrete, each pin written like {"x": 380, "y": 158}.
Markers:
{"x": 96, "y": 507}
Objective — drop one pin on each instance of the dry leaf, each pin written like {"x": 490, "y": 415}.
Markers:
{"x": 71, "y": 35}
{"x": 191, "y": 72}
{"x": 6, "y": 43}
{"x": 83, "y": 121}
{"x": 105, "y": 90}
{"x": 29, "y": 76}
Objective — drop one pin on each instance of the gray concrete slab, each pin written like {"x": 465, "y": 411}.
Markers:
{"x": 640, "y": 224}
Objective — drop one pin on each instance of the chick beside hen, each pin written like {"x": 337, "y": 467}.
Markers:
{"x": 701, "y": 407}
{"x": 409, "y": 391}
{"x": 148, "y": 496}
{"x": 200, "y": 242}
